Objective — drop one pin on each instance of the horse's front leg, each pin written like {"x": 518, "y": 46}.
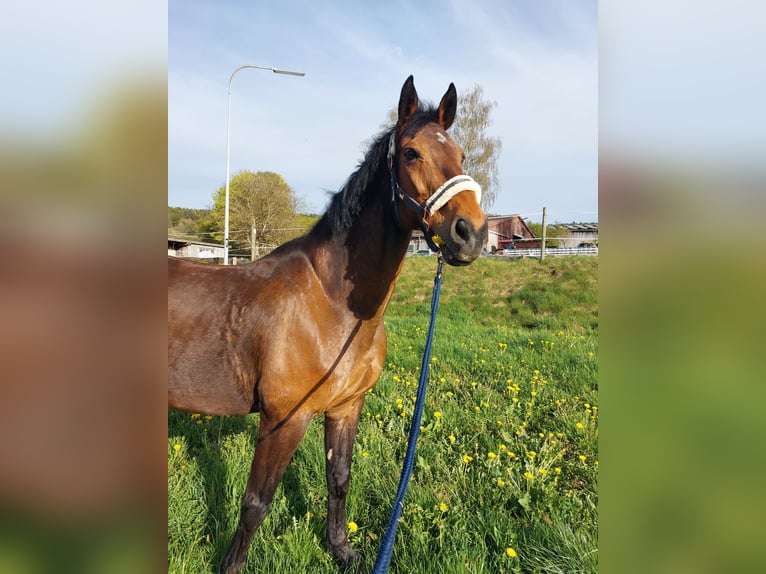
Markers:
{"x": 276, "y": 445}
{"x": 340, "y": 430}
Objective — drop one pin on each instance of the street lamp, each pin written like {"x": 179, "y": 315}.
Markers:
{"x": 228, "y": 148}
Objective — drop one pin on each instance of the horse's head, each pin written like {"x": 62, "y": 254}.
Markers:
{"x": 429, "y": 189}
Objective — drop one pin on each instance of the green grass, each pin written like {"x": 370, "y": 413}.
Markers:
{"x": 507, "y": 456}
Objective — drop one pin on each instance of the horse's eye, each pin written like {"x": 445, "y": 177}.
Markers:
{"x": 410, "y": 154}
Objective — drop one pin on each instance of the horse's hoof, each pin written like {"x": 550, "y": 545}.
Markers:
{"x": 348, "y": 558}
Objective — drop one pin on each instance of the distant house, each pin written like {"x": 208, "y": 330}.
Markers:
{"x": 510, "y": 232}
{"x": 578, "y": 234}
{"x": 417, "y": 242}
{"x": 190, "y": 249}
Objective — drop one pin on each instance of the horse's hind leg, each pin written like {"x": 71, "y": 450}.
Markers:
{"x": 340, "y": 430}
{"x": 272, "y": 454}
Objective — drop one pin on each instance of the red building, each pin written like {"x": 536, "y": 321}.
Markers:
{"x": 510, "y": 232}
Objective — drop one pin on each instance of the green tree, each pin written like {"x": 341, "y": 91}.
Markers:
{"x": 552, "y": 232}
{"x": 186, "y": 222}
{"x": 474, "y": 116}
{"x": 262, "y": 201}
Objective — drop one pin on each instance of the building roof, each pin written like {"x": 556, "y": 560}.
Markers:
{"x": 181, "y": 242}
{"x": 575, "y": 227}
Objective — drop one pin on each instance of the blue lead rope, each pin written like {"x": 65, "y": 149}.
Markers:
{"x": 387, "y": 546}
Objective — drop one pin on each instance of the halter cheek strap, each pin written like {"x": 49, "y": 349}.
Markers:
{"x": 434, "y": 203}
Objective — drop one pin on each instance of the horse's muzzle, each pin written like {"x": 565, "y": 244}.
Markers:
{"x": 464, "y": 243}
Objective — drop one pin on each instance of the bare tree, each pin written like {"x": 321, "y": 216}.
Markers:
{"x": 474, "y": 116}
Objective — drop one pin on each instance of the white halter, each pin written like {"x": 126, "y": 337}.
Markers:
{"x": 450, "y": 189}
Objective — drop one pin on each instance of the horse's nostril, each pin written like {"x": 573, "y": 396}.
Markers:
{"x": 462, "y": 230}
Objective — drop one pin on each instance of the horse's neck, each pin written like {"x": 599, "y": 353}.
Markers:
{"x": 370, "y": 257}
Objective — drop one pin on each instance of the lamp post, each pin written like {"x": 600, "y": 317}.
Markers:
{"x": 228, "y": 149}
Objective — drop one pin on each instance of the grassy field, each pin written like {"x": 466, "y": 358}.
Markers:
{"x": 507, "y": 462}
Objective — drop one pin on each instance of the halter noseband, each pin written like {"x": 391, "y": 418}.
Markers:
{"x": 435, "y": 201}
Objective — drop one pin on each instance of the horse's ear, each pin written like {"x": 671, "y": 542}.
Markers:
{"x": 448, "y": 107}
{"x": 408, "y": 103}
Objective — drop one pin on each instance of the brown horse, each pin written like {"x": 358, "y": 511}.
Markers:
{"x": 300, "y": 332}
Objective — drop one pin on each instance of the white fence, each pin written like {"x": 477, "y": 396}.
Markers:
{"x": 549, "y": 252}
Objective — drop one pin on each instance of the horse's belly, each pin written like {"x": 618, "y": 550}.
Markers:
{"x": 201, "y": 383}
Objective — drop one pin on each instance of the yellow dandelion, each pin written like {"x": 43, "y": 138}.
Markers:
{"x": 582, "y": 457}
{"x": 529, "y": 476}
{"x": 491, "y": 455}
{"x": 557, "y": 470}
{"x": 443, "y": 507}
{"x": 579, "y": 425}
{"x": 177, "y": 447}
{"x": 510, "y": 552}
{"x": 353, "y": 526}
{"x": 437, "y": 415}
{"x": 467, "y": 458}
{"x": 500, "y": 482}
{"x": 451, "y": 438}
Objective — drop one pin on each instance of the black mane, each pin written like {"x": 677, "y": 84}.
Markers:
{"x": 346, "y": 204}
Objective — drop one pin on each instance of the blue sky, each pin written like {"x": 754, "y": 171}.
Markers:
{"x": 679, "y": 82}
{"x": 537, "y": 60}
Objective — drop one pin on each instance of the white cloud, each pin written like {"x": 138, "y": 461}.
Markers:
{"x": 539, "y": 66}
